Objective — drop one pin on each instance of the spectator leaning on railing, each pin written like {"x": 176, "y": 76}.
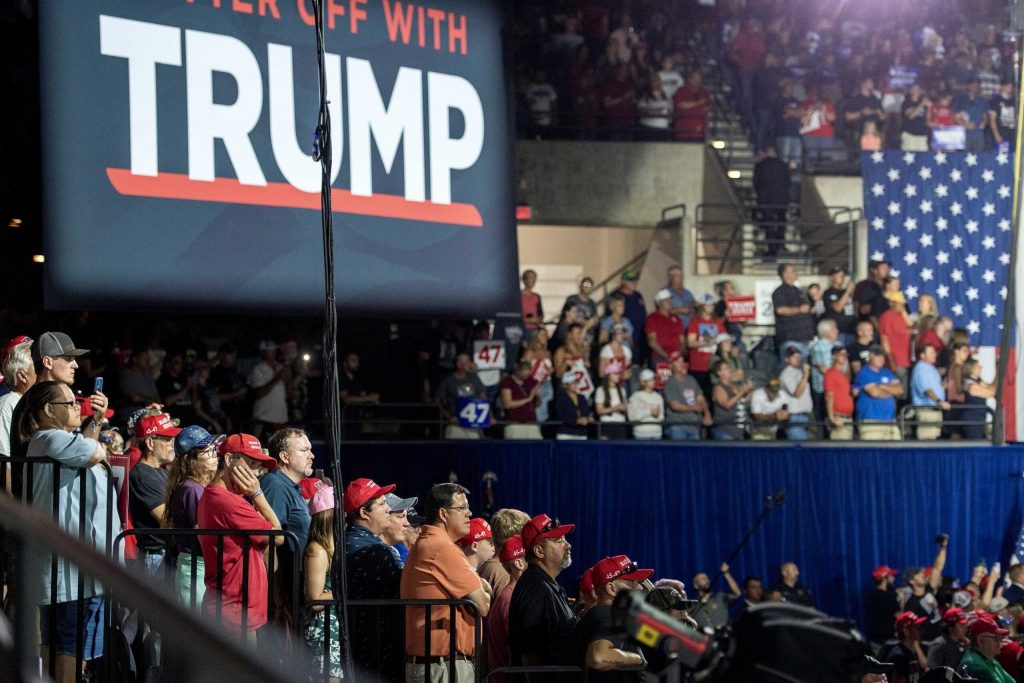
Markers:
{"x": 769, "y": 409}
{"x": 646, "y": 408}
{"x": 686, "y": 409}
{"x": 927, "y": 394}
{"x": 876, "y": 389}
{"x": 838, "y": 396}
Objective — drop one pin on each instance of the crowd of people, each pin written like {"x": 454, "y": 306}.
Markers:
{"x": 847, "y": 362}
{"x": 815, "y": 83}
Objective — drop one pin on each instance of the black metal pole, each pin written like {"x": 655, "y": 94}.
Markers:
{"x": 331, "y": 397}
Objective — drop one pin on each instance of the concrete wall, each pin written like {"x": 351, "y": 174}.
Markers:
{"x": 607, "y": 183}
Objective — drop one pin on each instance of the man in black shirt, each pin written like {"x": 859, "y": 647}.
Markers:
{"x": 924, "y": 582}
{"x": 147, "y": 486}
{"x": 772, "y": 183}
{"x": 540, "y": 621}
{"x": 597, "y": 644}
{"x": 230, "y": 386}
{"x": 1002, "y": 116}
{"x": 868, "y": 296}
{"x": 860, "y": 350}
{"x": 907, "y": 655}
{"x": 914, "y": 136}
{"x": 881, "y": 608}
{"x": 353, "y": 391}
{"x": 794, "y": 321}
{"x": 791, "y": 589}
{"x": 839, "y": 304}
{"x": 862, "y": 107}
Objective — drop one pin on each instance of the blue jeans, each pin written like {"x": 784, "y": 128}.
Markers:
{"x": 682, "y": 432}
{"x": 721, "y": 435}
{"x": 791, "y": 149}
{"x": 796, "y": 430}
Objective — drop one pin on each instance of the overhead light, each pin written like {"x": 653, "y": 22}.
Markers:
{"x": 38, "y": 258}
{"x": 14, "y": 223}
{"x": 735, "y": 175}
{"x": 718, "y": 144}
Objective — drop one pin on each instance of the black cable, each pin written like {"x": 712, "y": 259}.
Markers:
{"x": 332, "y": 401}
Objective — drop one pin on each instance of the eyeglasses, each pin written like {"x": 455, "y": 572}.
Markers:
{"x": 460, "y": 508}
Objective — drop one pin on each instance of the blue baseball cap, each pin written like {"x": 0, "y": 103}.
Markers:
{"x": 194, "y": 436}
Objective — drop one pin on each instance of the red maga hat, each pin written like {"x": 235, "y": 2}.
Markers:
{"x": 360, "y": 491}
{"x": 479, "y": 529}
{"x": 512, "y": 550}
{"x": 541, "y": 527}
{"x": 618, "y": 567}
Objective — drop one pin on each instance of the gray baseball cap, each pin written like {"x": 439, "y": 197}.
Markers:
{"x": 396, "y": 504}
{"x": 55, "y": 344}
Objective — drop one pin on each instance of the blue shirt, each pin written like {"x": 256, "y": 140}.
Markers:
{"x": 924, "y": 377}
{"x": 285, "y": 497}
{"x": 821, "y": 354}
{"x": 683, "y": 299}
{"x": 868, "y": 407}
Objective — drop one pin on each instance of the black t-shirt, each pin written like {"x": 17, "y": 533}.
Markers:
{"x": 926, "y": 606}
{"x": 1005, "y": 109}
{"x": 859, "y": 352}
{"x": 799, "y": 327}
{"x": 797, "y": 595}
{"x": 917, "y": 125}
{"x": 596, "y": 624}
{"x": 880, "y": 609}
{"x": 870, "y": 292}
{"x": 540, "y": 621}
{"x": 845, "y": 321}
{"x": 146, "y": 488}
{"x": 859, "y": 102}
{"x": 351, "y": 386}
{"x": 905, "y": 661}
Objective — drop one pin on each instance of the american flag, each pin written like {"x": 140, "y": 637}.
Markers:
{"x": 944, "y": 221}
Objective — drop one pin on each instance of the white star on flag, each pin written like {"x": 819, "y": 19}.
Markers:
{"x": 1002, "y": 158}
{"x": 910, "y": 224}
{"x": 877, "y": 157}
{"x": 956, "y": 241}
{"x": 987, "y": 175}
{"x": 925, "y": 240}
{"x": 1004, "y": 224}
{"x": 958, "y": 309}
{"x": 942, "y": 258}
{"x": 973, "y": 327}
{"x": 893, "y": 241}
{"x": 911, "y": 292}
{"x": 894, "y": 174}
{"x": 910, "y": 258}
{"x": 972, "y": 159}
{"x": 989, "y": 209}
{"x": 957, "y": 275}
{"x": 940, "y": 158}
{"x": 942, "y": 291}
{"x": 1004, "y": 258}
{"x": 989, "y": 242}
{"x": 877, "y": 189}
{"x": 971, "y": 260}
{"x": 877, "y": 256}
{"x": 877, "y": 223}
{"x": 989, "y": 276}
{"x": 925, "y": 173}
{"x": 972, "y": 226}
{"x": 941, "y": 223}
{"x": 955, "y": 175}
{"x": 972, "y": 192}
{"x": 972, "y": 293}
{"x": 990, "y": 310}
{"x": 956, "y": 208}
{"x": 926, "y": 274}
{"x": 894, "y": 208}
{"x": 1002, "y": 292}
{"x": 1004, "y": 191}
{"x": 910, "y": 190}
{"x": 926, "y": 206}
{"x": 908, "y": 157}
{"x": 941, "y": 191}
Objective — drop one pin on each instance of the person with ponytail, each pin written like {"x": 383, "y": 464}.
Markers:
{"x": 48, "y": 425}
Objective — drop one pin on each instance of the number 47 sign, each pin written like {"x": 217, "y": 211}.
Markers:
{"x": 489, "y": 355}
{"x": 474, "y": 413}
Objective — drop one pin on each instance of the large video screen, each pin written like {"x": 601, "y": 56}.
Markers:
{"x": 178, "y": 167}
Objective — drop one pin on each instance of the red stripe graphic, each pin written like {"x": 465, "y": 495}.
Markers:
{"x": 230, "y": 191}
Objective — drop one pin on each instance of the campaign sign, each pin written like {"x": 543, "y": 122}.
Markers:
{"x": 489, "y": 355}
{"x": 902, "y": 77}
{"x": 474, "y": 413}
{"x": 178, "y": 161}
{"x": 584, "y": 384}
{"x": 949, "y": 138}
{"x": 741, "y": 309}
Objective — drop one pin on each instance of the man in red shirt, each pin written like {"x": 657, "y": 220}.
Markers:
{"x": 530, "y": 302}
{"x": 519, "y": 393}
{"x": 513, "y": 559}
{"x": 838, "y": 396}
{"x": 619, "y": 105}
{"x": 702, "y": 340}
{"x": 938, "y": 335}
{"x": 665, "y": 333}
{"x": 233, "y": 500}
{"x": 746, "y": 52}
{"x": 691, "y": 103}
{"x": 894, "y": 328}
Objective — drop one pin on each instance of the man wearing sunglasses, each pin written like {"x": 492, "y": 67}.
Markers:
{"x": 147, "y": 485}
{"x": 597, "y": 644}
{"x": 540, "y": 619}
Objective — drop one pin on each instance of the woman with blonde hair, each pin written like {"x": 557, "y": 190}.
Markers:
{"x": 189, "y": 474}
{"x": 317, "y": 586}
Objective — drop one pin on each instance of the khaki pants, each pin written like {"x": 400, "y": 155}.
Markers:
{"x": 879, "y": 431}
{"x": 844, "y": 433}
{"x": 929, "y": 423}
{"x": 439, "y": 672}
{"x": 913, "y": 143}
{"x": 764, "y": 433}
{"x": 457, "y": 432}
{"x": 523, "y": 431}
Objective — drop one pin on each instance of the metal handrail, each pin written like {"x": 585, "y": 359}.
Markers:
{"x": 213, "y": 655}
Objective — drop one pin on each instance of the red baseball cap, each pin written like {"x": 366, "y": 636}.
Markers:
{"x": 156, "y": 425}
{"x": 512, "y": 550}
{"x": 674, "y": 356}
{"x": 9, "y": 346}
{"x": 309, "y": 486}
{"x": 587, "y": 582}
{"x": 360, "y": 491}
{"x": 983, "y": 625}
{"x": 541, "y": 527}
{"x": 907, "y": 619}
{"x": 618, "y": 567}
{"x": 882, "y": 572}
{"x": 954, "y": 615}
{"x": 86, "y": 407}
{"x": 479, "y": 529}
{"x": 249, "y": 446}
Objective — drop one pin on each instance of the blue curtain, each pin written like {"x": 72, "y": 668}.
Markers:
{"x": 682, "y": 509}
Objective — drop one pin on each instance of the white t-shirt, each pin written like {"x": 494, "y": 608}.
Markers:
{"x": 608, "y": 353}
{"x": 273, "y": 407}
{"x": 670, "y": 82}
{"x": 790, "y": 378}
{"x": 646, "y": 425}
{"x": 761, "y": 404}
{"x": 615, "y": 400}
{"x": 7, "y": 405}
{"x": 541, "y": 98}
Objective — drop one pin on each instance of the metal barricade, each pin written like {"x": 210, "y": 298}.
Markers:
{"x": 331, "y": 607}
{"x": 21, "y": 479}
{"x": 386, "y": 420}
{"x": 909, "y": 423}
{"x": 247, "y": 543}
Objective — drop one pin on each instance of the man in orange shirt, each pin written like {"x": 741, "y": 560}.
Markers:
{"x": 894, "y": 331}
{"x": 436, "y": 569}
{"x": 838, "y": 398}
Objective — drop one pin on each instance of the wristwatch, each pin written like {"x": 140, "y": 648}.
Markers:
{"x": 254, "y": 495}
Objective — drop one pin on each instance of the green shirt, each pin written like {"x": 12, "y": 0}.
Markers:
{"x": 984, "y": 669}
